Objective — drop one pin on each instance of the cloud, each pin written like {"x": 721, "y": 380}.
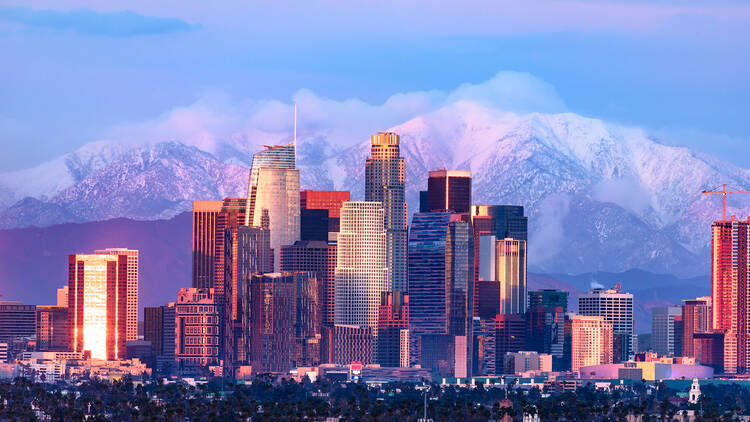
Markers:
{"x": 217, "y": 119}
{"x": 90, "y": 22}
{"x": 548, "y": 228}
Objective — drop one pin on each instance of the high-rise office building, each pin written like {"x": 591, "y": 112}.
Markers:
{"x": 214, "y": 243}
{"x": 197, "y": 328}
{"x": 132, "y": 288}
{"x": 252, "y": 255}
{"x": 97, "y": 304}
{"x": 308, "y": 319}
{"x": 16, "y": 321}
{"x": 272, "y": 316}
{"x": 274, "y": 186}
{"x": 393, "y": 330}
{"x": 500, "y": 221}
{"x": 324, "y": 200}
{"x": 459, "y": 287}
{"x": 503, "y": 261}
{"x": 52, "y": 331}
{"x": 312, "y": 256}
{"x": 361, "y": 268}
{"x": 592, "y": 341}
{"x": 696, "y": 318}
{"x": 449, "y": 190}
{"x": 158, "y": 328}
{"x": 384, "y": 182}
{"x": 617, "y": 309}
{"x": 441, "y": 278}
{"x": 62, "y": 296}
{"x": 427, "y": 298}
{"x": 730, "y": 301}
{"x": 662, "y": 329}
{"x": 230, "y": 218}
{"x": 546, "y": 324}
{"x": 205, "y": 215}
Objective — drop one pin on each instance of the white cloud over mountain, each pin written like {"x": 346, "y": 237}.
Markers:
{"x": 245, "y": 124}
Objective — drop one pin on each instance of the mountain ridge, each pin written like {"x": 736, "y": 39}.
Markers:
{"x": 600, "y": 197}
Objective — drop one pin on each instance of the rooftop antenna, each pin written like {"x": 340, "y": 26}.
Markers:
{"x": 295, "y": 132}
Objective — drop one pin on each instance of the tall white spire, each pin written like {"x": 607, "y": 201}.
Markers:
{"x": 295, "y": 132}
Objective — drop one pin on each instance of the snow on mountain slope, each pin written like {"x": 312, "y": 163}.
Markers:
{"x": 599, "y": 196}
{"x": 48, "y": 179}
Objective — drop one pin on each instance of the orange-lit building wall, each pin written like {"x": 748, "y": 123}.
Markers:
{"x": 324, "y": 200}
{"x": 97, "y": 304}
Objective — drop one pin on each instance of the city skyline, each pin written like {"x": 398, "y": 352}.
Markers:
{"x": 501, "y": 235}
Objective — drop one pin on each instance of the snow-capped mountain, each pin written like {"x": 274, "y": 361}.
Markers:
{"x": 599, "y": 196}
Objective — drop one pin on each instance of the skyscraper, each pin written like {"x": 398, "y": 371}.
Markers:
{"x": 592, "y": 341}
{"x": 52, "y": 331}
{"x": 500, "y": 221}
{"x": 384, "y": 183}
{"x": 97, "y": 304}
{"x": 205, "y": 214}
{"x": 662, "y": 329}
{"x": 393, "y": 330}
{"x": 449, "y": 190}
{"x": 132, "y": 288}
{"x": 696, "y": 318}
{"x": 616, "y": 308}
{"x": 504, "y": 261}
{"x": 283, "y": 321}
{"x": 441, "y": 278}
{"x": 159, "y": 329}
{"x": 252, "y": 255}
{"x": 459, "y": 287}
{"x": 312, "y": 256}
{"x": 427, "y": 298}
{"x": 361, "y": 269}
{"x": 729, "y": 290}
{"x": 308, "y": 319}
{"x": 546, "y": 324}
{"x": 274, "y": 186}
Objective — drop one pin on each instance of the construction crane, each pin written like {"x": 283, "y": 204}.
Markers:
{"x": 724, "y": 192}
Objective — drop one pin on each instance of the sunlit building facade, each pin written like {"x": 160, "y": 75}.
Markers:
{"x": 384, "y": 182}
{"x": 616, "y": 307}
{"x": 504, "y": 261}
{"x": 274, "y": 186}
{"x": 97, "y": 304}
{"x": 730, "y": 301}
{"x": 204, "y": 221}
{"x": 696, "y": 318}
{"x": 132, "y": 288}
{"x": 361, "y": 269}
{"x": 592, "y": 341}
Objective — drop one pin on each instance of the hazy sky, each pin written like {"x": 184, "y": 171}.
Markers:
{"x": 75, "y": 71}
